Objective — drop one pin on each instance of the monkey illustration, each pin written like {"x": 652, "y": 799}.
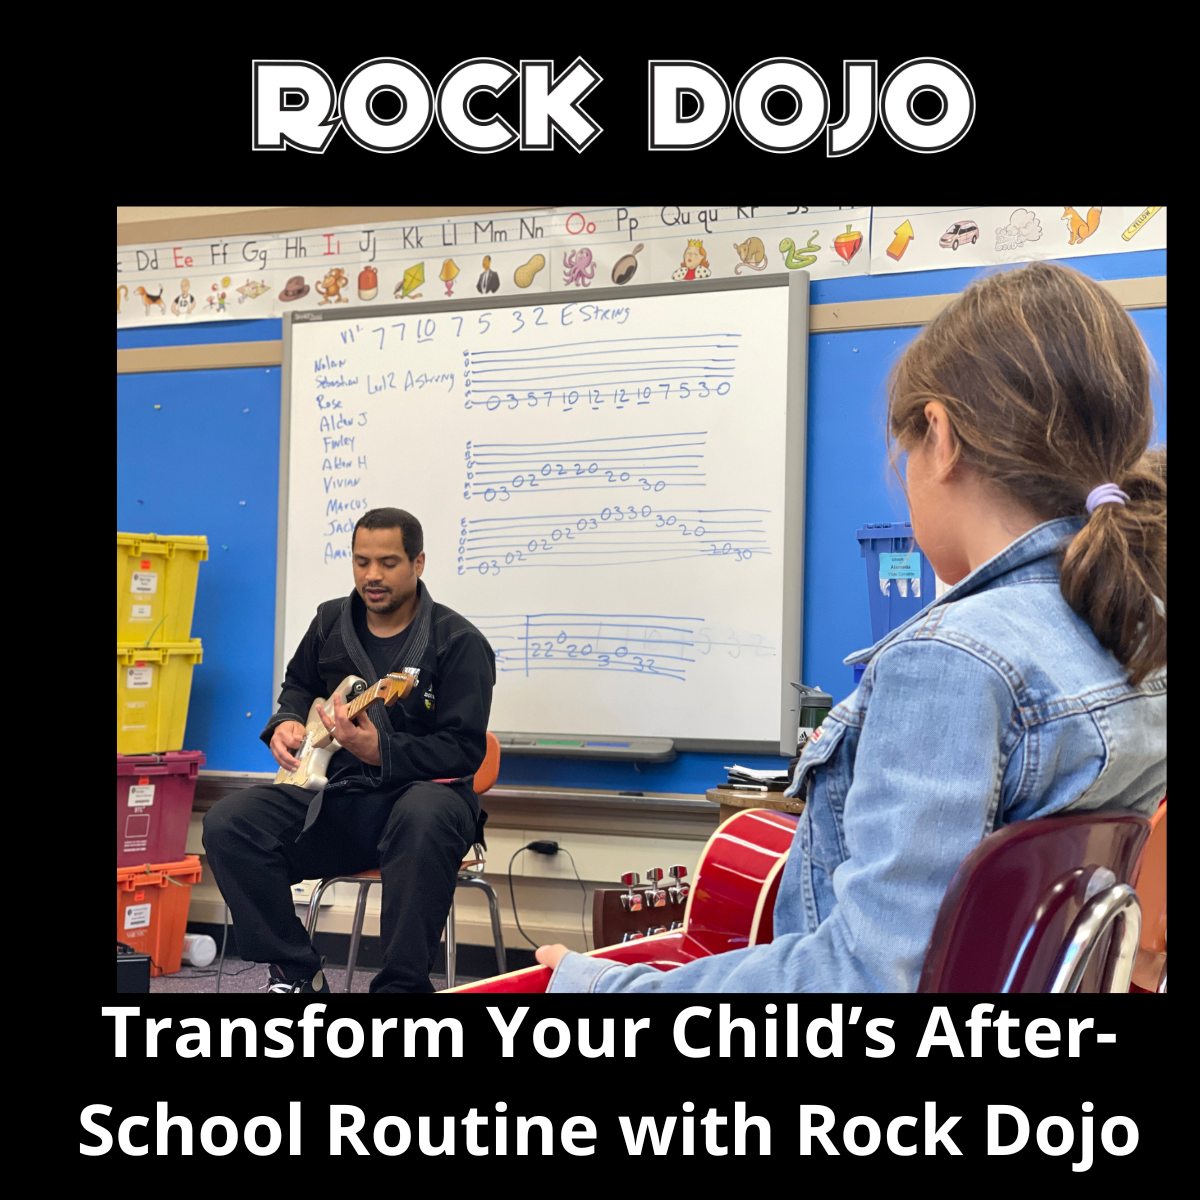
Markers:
{"x": 122, "y": 290}
{"x": 753, "y": 255}
{"x": 331, "y": 286}
{"x": 150, "y": 301}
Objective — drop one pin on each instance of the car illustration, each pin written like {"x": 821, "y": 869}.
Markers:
{"x": 960, "y": 231}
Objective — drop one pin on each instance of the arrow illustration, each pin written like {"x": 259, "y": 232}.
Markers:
{"x": 904, "y": 235}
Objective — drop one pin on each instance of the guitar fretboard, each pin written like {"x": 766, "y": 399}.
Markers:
{"x": 372, "y": 693}
{"x": 356, "y": 706}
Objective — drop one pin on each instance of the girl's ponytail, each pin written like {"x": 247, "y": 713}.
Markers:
{"x": 1046, "y": 382}
{"x": 1114, "y": 570}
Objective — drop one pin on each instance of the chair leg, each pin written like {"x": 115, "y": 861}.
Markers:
{"x": 314, "y": 905}
{"x": 451, "y": 948}
{"x": 360, "y": 915}
{"x": 494, "y": 912}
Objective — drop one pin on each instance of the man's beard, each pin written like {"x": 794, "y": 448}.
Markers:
{"x": 389, "y": 605}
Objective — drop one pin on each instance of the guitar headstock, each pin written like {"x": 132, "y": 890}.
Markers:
{"x": 638, "y": 911}
{"x": 395, "y": 686}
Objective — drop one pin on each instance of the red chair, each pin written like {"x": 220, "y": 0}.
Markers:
{"x": 1042, "y": 906}
{"x": 1150, "y": 970}
{"x": 470, "y": 874}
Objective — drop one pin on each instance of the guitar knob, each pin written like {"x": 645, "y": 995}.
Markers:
{"x": 631, "y": 900}
{"x": 632, "y": 937}
{"x": 655, "y": 897}
{"x": 679, "y": 891}
{"x": 676, "y": 925}
{"x": 656, "y": 929}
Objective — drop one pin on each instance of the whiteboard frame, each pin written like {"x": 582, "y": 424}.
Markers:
{"x": 791, "y": 652}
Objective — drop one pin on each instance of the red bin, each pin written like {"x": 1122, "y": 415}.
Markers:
{"x": 154, "y": 805}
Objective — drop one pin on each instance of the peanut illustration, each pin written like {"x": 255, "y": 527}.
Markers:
{"x": 524, "y": 275}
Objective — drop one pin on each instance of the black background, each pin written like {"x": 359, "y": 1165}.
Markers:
{"x": 1123, "y": 1078}
{"x": 1045, "y": 104}
{"x": 1050, "y": 112}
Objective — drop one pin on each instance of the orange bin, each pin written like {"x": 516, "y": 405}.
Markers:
{"x": 152, "y": 909}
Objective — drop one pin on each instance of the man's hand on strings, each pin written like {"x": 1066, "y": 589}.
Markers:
{"x": 287, "y": 737}
{"x": 356, "y": 734}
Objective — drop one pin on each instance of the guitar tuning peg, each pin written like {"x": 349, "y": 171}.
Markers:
{"x": 679, "y": 890}
{"x": 631, "y": 900}
{"x": 655, "y": 897}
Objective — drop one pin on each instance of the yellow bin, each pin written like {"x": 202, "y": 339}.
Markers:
{"x": 154, "y": 684}
{"x": 156, "y": 586}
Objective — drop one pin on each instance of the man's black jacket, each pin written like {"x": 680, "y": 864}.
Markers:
{"x": 437, "y": 732}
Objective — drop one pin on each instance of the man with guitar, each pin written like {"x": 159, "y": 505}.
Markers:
{"x": 397, "y": 792}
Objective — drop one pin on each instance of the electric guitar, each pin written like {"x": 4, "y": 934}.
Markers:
{"x": 730, "y": 904}
{"x": 319, "y": 744}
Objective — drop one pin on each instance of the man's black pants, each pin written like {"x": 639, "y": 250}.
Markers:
{"x": 417, "y": 838}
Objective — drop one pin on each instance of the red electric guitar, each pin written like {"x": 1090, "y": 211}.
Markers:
{"x": 730, "y": 905}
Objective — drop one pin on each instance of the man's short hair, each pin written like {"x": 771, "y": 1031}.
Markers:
{"x": 393, "y": 518}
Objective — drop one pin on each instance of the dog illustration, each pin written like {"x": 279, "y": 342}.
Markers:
{"x": 331, "y": 286}
{"x": 150, "y": 301}
{"x": 1081, "y": 228}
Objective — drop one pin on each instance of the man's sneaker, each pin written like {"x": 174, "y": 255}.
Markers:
{"x": 279, "y": 982}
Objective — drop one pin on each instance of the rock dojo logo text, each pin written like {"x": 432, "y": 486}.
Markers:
{"x": 780, "y": 105}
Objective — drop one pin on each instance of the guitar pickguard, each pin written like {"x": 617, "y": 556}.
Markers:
{"x": 319, "y": 745}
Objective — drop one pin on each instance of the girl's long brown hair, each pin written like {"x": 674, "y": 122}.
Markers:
{"x": 1046, "y": 382}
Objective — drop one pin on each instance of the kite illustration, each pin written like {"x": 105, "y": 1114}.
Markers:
{"x": 413, "y": 278}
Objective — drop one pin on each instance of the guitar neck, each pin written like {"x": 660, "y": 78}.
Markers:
{"x": 368, "y": 697}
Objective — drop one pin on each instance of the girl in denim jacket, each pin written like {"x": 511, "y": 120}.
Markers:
{"x": 1036, "y": 685}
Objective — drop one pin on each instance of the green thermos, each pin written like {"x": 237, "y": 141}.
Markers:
{"x": 814, "y": 706}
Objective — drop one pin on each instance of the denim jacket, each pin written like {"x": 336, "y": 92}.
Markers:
{"x": 993, "y": 704}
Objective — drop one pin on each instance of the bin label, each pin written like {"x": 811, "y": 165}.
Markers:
{"x": 137, "y": 916}
{"x": 139, "y": 677}
{"x": 141, "y": 794}
{"x": 141, "y": 612}
{"x": 145, "y": 583}
{"x": 900, "y": 566}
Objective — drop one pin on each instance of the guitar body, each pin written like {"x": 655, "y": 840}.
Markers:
{"x": 730, "y": 906}
{"x": 319, "y": 745}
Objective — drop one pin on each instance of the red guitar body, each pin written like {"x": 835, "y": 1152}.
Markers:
{"x": 730, "y": 906}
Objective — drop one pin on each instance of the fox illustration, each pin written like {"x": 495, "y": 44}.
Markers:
{"x": 1079, "y": 227}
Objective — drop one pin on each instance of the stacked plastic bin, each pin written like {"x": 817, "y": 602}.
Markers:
{"x": 900, "y": 581}
{"x": 156, "y": 777}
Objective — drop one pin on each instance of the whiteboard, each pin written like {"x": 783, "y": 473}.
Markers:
{"x": 611, "y": 490}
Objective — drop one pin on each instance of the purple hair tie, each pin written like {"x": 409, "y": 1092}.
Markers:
{"x": 1106, "y": 493}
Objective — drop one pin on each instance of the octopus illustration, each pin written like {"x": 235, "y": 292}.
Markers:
{"x": 578, "y": 268}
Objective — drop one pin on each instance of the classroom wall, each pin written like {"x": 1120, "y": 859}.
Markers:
{"x": 206, "y": 461}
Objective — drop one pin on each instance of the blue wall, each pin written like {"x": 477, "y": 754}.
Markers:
{"x": 188, "y": 466}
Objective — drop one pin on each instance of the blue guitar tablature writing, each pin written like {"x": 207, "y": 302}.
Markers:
{"x": 615, "y": 372}
{"x": 616, "y": 535}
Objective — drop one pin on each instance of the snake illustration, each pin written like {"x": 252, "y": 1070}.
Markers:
{"x": 793, "y": 259}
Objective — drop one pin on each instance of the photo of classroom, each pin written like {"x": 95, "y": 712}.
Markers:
{"x": 641, "y": 599}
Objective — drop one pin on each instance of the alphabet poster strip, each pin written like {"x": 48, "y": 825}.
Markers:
{"x": 570, "y": 250}
{"x": 558, "y": 250}
{"x": 925, "y": 239}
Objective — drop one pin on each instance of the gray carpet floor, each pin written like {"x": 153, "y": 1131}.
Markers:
{"x": 242, "y": 976}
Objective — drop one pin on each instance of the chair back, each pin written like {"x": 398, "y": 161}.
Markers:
{"x": 489, "y": 769}
{"x": 1152, "y": 885}
{"x": 1034, "y": 907}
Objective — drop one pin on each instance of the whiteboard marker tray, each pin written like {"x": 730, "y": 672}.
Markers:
{"x": 570, "y": 745}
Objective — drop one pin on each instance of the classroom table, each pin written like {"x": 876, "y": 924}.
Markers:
{"x": 732, "y": 801}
